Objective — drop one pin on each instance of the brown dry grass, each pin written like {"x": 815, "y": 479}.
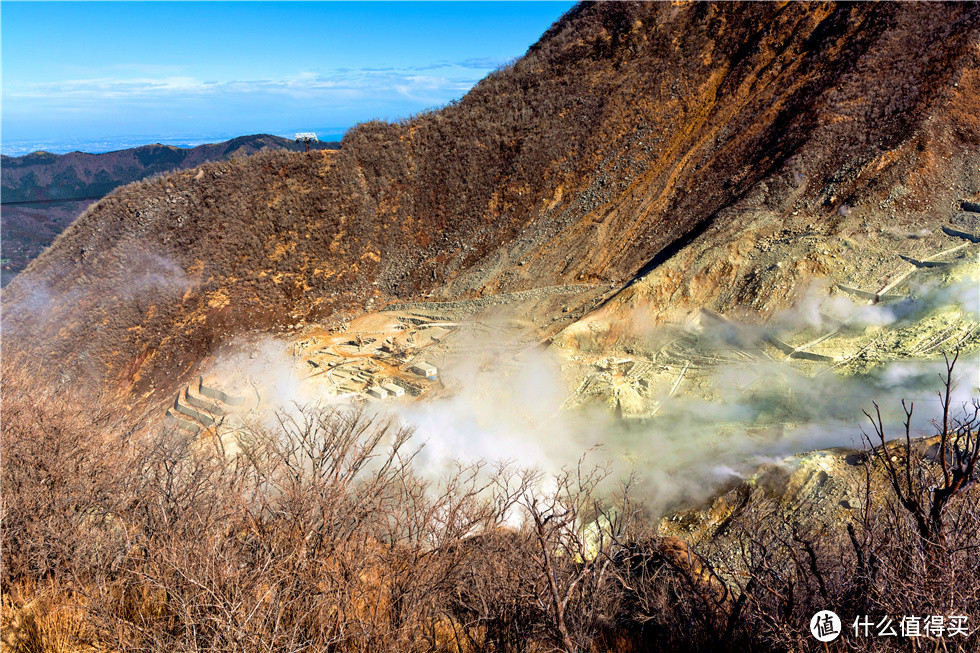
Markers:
{"x": 46, "y": 618}
{"x": 322, "y": 536}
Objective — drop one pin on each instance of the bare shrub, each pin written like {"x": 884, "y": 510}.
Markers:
{"x": 57, "y": 451}
{"x": 913, "y": 551}
{"x": 321, "y": 535}
{"x": 573, "y": 533}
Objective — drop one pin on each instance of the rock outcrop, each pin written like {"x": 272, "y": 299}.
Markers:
{"x": 706, "y": 154}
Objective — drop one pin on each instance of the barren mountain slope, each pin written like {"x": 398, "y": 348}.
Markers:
{"x": 43, "y": 192}
{"x": 677, "y": 145}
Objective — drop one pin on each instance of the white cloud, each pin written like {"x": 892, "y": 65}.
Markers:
{"x": 157, "y": 102}
{"x": 340, "y": 83}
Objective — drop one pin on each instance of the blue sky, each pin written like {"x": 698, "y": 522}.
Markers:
{"x": 124, "y": 73}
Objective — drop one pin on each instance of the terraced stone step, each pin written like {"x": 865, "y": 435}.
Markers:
{"x": 193, "y": 414}
{"x": 924, "y": 264}
{"x": 182, "y": 422}
{"x": 218, "y": 395}
{"x": 875, "y": 297}
{"x": 796, "y": 352}
{"x": 810, "y": 356}
{"x": 973, "y": 238}
{"x": 203, "y": 404}
{"x": 779, "y": 344}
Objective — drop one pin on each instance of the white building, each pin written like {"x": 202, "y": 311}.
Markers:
{"x": 377, "y": 393}
{"x": 424, "y": 369}
{"x": 393, "y": 389}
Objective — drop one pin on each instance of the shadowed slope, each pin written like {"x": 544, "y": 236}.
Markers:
{"x": 626, "y": 135}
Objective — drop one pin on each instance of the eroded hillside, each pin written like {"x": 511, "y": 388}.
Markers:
{"x": 43, "y": 193}
{"x": 670, "y": 156}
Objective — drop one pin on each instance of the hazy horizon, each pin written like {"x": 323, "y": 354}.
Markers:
{"x": 128, "y": 141}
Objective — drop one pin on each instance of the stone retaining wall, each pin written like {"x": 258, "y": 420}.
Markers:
{"x": 206, "y": 420}
{"x": 214, "y": 393}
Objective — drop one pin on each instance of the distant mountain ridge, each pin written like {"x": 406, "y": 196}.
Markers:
{"x": 42, "y": 176}
{"x": 42, "y": 193}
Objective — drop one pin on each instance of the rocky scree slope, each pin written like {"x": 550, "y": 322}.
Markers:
{"x": 628, "y": 134}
